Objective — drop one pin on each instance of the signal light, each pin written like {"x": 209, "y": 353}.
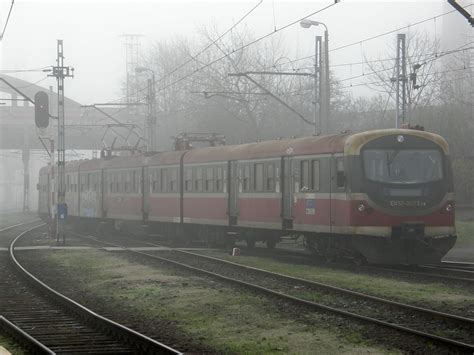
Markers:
{"x": 41, "y": 109}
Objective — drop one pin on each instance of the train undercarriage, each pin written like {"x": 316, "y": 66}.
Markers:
{"x": 400, "y": 249}
{"x": 410, "y": 250}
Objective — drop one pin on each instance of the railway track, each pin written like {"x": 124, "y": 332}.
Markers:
{"x": 446, "y": 271}
{"x": 450, "y": 331}
{"x": 37, "y": 314}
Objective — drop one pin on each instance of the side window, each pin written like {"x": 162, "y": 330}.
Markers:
{"x": 258, "y": 177}
{"x": 173, "y": 180}
{"x": 126, "y": 178}
{"x": 270, "y": 182}
{"x": 198, "y": 181}
{"x": 188, "y": 179}
{"x": 340, "y": 177}
{"x": 315, "y": 175}
{"x": 209, "y": 185}
{"x": 219, "y": 179}
{"x": 246, "y": 178}
{"x": 304, "y": 175}
{"x": 112, "y": 182}
{"x": 163, "y": 180}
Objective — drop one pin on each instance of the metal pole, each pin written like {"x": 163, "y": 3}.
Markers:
{"x": 403, "y": 78}
{"x": 317, "y": 85}
{"x": 397, "y": 84}
{"x": 153, "y": 113}
{"x": 60, "y": 72}
{"x": 400, "y": 76}
{"x": 148, "y": 116}
{"x": 327, "y": 101}
{"x": 26, "y": 170}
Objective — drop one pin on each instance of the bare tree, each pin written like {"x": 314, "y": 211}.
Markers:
{"x": 421, "y": 56}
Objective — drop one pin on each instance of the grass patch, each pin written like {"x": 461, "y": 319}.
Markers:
{"x": 465, "y": 232}
{"x": 436, "y": 294}
{"x": 215, "y": 314}
{"x": 10, "y": 346}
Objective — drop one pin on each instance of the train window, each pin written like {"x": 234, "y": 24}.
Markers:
{"x": 163, "y": 180}
{"x": 315, "y": 175}
{"x": 115, "y": 180}
{"x": 270, "y": 185}
{"x": 258, "y": 177}
{"x": 127, "y": 184}
{"x": 68, "y": 182}
{"x": 304, "y": 176}
{"x": 246, "y": 178}
{"x": 209, "y": 186}
{"x": 111, "y": 181}
{"x": 154, "y": 181}
{"x": 188, "y": 179}
{"x": 198, "y": 180}
{"x": 97, "y": 182}
{"x": 119, "y": 182}
{"x": 136, "y": 181}
{"x": 219, "y": 179}
{"x": 173, "y": 180}
{"x": 340, "y": 177}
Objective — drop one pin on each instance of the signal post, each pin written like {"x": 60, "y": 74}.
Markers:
{"x": 60, "y": 72}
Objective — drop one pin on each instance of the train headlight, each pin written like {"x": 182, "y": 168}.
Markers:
{"x": 400, "y": 139}
{"x": 361, "y": 207}
{"x": 449, "y": 207}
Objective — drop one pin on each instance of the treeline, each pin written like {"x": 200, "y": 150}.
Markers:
{"x": 198, "y": 97}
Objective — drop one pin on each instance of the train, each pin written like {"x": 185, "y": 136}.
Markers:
{"x": 382, "y": 196}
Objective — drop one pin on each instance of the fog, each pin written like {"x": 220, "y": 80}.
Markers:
{"x": 94, "y": 45}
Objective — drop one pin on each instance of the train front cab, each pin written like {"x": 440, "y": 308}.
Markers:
{"x": 402, "y": 196}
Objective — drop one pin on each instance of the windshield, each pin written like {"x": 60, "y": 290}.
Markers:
{"x": 403, "y": 166}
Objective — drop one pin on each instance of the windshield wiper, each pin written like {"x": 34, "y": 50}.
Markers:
{"x": 390, "y": 160}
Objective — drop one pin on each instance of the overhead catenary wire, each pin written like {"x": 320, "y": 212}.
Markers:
{"x": 8, "y": 71}
{"x": 234, "y": 51}
{"x": 6, "y": 22}
{"x": 434, "y": 55}
{"x": 195, "y": 56}
{"x": 424, "y": 75}
{"x": 243, "y": 47}
{"x": 378, "y": 35}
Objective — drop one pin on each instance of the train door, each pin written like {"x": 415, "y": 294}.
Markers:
{"x": 233, "y": 192}
{"x": 287, "y": 193}
{"x": 145, "y": 188}
{"x": 336, "y": 187}
{"x": 102, "y": 192}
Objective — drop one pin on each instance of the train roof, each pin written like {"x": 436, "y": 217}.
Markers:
{"x": 269, "y": 149}
{"x": 356, "y": 141}
{"x": 130, "y": 161}
{"x": 349, "y": 144}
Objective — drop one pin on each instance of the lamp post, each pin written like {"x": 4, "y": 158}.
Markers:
{"x": 323, "y": 93}
{"x": 151, "y": 103}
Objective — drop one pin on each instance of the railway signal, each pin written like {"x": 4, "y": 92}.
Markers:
{"x": 60, "y": 72}
{"x": 41, "y": 109}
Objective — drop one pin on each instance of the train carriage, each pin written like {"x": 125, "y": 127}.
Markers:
{"x": 383, "y": 196}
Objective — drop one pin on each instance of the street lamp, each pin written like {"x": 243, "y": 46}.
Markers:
{"x": 151, "y": 103}
{"x": 324, "y": 95}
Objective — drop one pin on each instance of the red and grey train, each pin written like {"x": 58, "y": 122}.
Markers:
{"x": 383, "y": 196}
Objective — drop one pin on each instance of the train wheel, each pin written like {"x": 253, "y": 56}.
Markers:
{"x": 250, "y": 243}
{"x": 330, "y": 256}
{"x": 271, "y": 243}
{"x": 359, "y": 260}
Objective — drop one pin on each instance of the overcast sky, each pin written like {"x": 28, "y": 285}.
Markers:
{"x": 92, "y": 44}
